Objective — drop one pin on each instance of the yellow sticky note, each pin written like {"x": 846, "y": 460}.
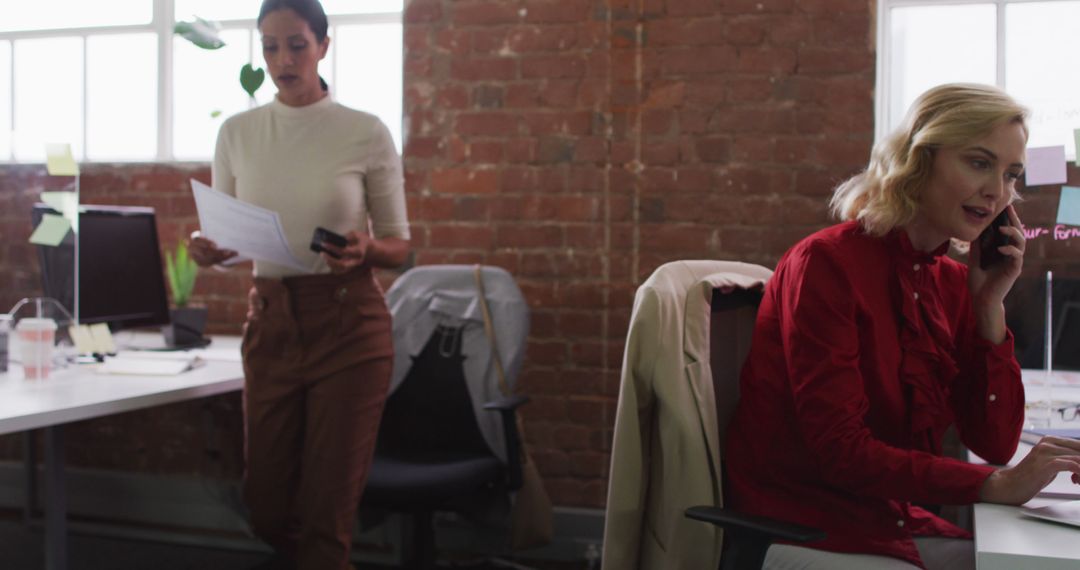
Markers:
{"x": 51, "y": 230}
{"x": 80, "y": 335}
{"x": 59, "y": 161}
{"x": 102, "y": 338}
{"x": 67, "y": 203}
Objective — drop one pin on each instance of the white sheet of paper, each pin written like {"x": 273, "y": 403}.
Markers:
{"x": 249, "y": 230}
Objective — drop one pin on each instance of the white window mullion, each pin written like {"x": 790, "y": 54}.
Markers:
{"x": 85, "y": 97}
{"x": 163, "y": 25}
{"x": 1001, "y": 71}
{"x": 11, "y": 106}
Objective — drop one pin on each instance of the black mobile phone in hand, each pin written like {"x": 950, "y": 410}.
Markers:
{"x": 991, "y": 239}
{"x": 323, "y": 235}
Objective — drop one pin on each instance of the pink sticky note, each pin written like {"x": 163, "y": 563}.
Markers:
{"x": 1045, "y": 165}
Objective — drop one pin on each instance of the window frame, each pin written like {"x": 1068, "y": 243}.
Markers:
{"x": 883, "y": 82}
{"x": 162, "y": 23}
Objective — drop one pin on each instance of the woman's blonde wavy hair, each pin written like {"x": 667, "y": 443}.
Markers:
{"x": 886, "y": 195}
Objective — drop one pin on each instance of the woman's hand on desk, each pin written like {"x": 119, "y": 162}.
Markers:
{"x": 205, "y": 252}
{"x": 1019, "y": 484}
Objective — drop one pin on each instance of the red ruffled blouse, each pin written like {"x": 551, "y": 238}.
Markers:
{"x": 863, "y": 354}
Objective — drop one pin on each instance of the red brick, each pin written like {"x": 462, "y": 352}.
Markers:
{"x": 556, "y": 11}
{"x": 465, "y": 181}
{"x": 697, "y": 61}
{"x": 483, "y": 69}
{"x": 483, "y": 13}
{"x": 420, "y": 11}
{"x": 714, "y": 149}
{"x": 559, "y": 123}
{"x": 456, "y": 236}
{"x": 813, "y": 60}
{"x": 552, "y": 66}
{"x": 529, "y": 235}
{"x": 491, "y": 123}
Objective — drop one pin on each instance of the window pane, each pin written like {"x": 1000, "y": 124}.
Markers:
{"x": 931, "y": 45}
{"x": 53, "y": 14}
{"x": 206, "y": 82}
{"x": 5, "y": 101}
{"x": 249, "y": 9}
{"x": 121, "y": 98}
{"x": 371, "y": 84}
{"x": 48, "y": 96}
{"x": 217, "y": 10}
{"x": 1040, "y": 40}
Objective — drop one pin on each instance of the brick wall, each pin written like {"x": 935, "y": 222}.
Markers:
{"x": 582, "y": 143}
{"x": 578, "y": 144}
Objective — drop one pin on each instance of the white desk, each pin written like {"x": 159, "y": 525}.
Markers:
{"x": 1005, "y": 539}
{"x": 77, "y": 393}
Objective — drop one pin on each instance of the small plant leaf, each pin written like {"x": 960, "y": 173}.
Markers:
{"x": 251, "y": 79}
{"x": 181, "y": 271}
{"x": 202, "y": 33}
{"x": 215, "y": 113}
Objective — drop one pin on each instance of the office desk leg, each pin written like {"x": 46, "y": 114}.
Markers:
{"x": 31, "y": 474}
{"x": 55, "y": 500}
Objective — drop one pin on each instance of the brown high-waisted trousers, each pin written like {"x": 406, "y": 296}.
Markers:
{"x": 317, "y": 362}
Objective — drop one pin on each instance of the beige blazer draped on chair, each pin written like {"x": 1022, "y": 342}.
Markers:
{"x": 666, "y": 453}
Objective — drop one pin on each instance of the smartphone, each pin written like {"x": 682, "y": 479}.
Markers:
{"x": 991, "y": 239}
{"x": 323, "y": 235}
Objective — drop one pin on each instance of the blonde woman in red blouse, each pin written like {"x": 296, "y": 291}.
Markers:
{"x": 870, "y": 343}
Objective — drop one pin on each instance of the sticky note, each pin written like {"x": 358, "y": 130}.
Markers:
{"x": 51, "y": 230}
{"x": 58, "y": 160}
{"x": 80, "y": 335}
{"x": 102, "y": 338}
{"x": 1069, "y": 206}
{"x": 1045, "y": 165}
{"x": 67, "y": 203}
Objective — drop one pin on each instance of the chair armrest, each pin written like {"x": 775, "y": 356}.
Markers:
{"x": 749, "y": 524}
{"x": 507, "y": 408}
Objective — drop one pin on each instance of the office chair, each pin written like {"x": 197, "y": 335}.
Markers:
{"x": 430, "y": 455}
{"x": 746, "y": 538}
{"x": 448, "y": 440}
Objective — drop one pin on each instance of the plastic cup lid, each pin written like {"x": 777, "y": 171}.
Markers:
{"x": 37, "y": 324}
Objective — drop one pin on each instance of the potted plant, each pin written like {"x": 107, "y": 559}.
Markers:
{"x": 188, "y": 323}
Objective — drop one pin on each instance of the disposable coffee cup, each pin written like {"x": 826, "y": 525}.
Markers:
{"x": 36, "y": 338}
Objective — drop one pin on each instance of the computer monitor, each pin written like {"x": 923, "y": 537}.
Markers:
{"x": 121, "y": 281}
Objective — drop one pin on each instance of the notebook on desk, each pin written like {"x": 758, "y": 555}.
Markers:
{"x": 1064, "y": 513}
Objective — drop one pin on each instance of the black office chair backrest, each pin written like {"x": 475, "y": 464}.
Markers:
{"x": 430, "y": 416}
{"x": 731, "y": 326}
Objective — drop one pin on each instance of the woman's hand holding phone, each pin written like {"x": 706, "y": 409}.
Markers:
{"x": 352, "y": 254}
{"x": 991, "y": 280}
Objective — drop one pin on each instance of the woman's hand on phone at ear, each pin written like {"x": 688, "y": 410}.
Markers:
{"x": 990, "y": 285}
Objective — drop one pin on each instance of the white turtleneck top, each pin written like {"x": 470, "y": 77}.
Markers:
{"x": 323, "y": 164}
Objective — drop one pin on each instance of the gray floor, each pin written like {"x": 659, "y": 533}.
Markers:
{"x": 22, "y": 548}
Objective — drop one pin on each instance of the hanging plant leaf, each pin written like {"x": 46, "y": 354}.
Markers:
{"x": 202, "y": 33}
{"x": 251, "y": 79}
{"x": 215, "y": 113}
